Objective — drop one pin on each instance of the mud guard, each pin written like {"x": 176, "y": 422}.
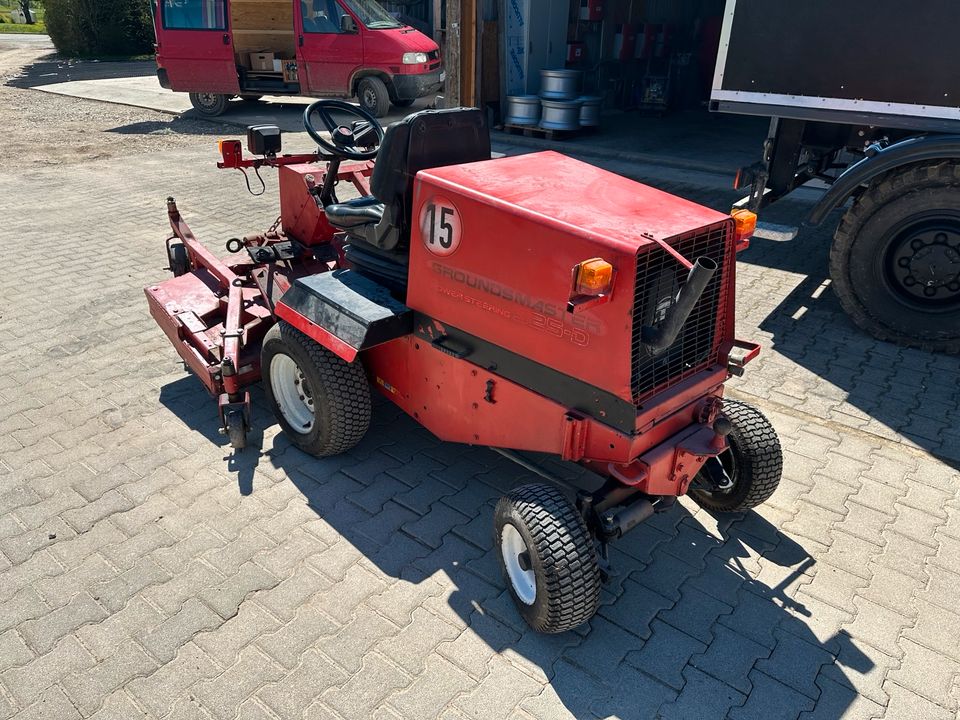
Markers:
{"x": 345, "y": 312}
{"x": 880, "y": 161}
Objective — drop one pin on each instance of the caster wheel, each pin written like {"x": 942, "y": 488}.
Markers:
{"x": 236, "y": 428}
{"x": 178, "y": 258}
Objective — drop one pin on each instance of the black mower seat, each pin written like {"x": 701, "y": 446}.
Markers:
{"x": 359, "y": 211}
{"x": 424, "y": 139}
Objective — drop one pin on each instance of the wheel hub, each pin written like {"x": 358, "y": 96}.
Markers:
{"x": 925, "y": 265}
{"x": 292, "y": 392}
{"x": 516, "y": 559}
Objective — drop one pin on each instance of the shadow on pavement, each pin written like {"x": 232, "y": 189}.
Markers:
{"x": 850, "y": 377}
{"x": 685, "y": 628}
{"x": 187, "y": 124}
{"x": 52, "y": 69}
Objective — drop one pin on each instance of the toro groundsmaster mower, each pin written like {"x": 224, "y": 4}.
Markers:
{"x": 532, "y": 303}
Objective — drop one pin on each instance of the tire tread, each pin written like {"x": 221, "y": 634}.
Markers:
{"x": 904, "y": 181}
{"x": 566, "y": 549}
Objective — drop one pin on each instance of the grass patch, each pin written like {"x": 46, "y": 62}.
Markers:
{"x": 13, "y": 29}
{"x": 8, "y": 26}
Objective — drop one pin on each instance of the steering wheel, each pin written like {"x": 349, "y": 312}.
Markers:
{"x": 344, "y": 137}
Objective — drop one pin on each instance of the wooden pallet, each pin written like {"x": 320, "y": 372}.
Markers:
{"x": 539, "y": 132}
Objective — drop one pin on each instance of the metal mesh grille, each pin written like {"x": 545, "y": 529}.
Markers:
{"x": 659, "y": 279}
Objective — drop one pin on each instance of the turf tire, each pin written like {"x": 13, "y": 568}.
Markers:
{"x": 341, "y": 394}
{"x": 562, "y": 555}
{"x": 754, "y": 461}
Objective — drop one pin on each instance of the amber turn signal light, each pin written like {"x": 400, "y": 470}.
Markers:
{"x": 745, "y": 222}
{"x": 593, "y": 277}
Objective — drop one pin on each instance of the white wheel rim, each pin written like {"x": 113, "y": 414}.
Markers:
{"x": 524, "y": 582}
{"x": 292, "y": 393}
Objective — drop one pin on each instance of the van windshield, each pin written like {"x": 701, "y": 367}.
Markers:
{"x": 372, "y": 14}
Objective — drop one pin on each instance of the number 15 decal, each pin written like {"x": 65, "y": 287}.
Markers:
{"x": 440, "y": 226}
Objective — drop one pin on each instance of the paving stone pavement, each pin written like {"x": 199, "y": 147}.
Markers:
{"x": 148, "y": 572}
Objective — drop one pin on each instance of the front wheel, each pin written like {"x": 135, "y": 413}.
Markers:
{"x": 895, "y": 259}
{"x": 547, "y": 557}
{"x": 209, "y": 104}
{"x": 373, "y": 96}
{"x": 321, "y": 401}
{"x": 751, "y": 465}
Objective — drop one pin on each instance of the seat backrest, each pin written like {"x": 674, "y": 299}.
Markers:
{"x": 426, "y": 139}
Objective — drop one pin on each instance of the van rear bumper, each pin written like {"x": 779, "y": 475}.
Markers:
{"x": 411, "y": 87}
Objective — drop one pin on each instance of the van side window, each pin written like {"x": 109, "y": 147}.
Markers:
{"x": 321, "y": 16}
{"x": 194, "y": 14}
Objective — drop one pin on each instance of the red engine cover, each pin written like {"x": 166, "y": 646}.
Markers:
{"x": 495, "y": 243}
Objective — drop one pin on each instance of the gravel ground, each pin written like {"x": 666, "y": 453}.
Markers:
{"x": 86, "y": 130}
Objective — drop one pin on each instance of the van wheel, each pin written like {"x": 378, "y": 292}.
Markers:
{"x": 373, "y": 96}
{"x": 209, "y": 104}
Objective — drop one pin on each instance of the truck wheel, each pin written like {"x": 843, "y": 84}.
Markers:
{"x": 895, "y": 259}
{"x": 209, "y": 104}
{"x": 753, "y": 462}
{"x": 547, "y": 557}
{"x": 321, "y": 402}
{"x": 373, "y": 96}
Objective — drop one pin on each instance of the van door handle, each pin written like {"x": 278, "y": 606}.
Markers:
{"x": 226, "y": 38}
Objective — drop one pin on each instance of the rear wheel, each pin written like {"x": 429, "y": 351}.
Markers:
{"x": 752, "y": 464}
{"x": 373, "y": 96}
{"x": 321, "y": 402}
{"x": 895, "y": 259}
{"x": 548, "y": 558}
{"x": 209, "y": 104}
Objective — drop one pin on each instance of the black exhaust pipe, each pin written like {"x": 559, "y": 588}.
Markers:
{"x": 659, "y": 338}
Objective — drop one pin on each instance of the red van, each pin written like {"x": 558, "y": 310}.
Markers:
{"x": 219, "y": 49}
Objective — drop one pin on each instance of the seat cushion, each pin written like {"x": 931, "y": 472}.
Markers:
{"x": 359, "y": 211}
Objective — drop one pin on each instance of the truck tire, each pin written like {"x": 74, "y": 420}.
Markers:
{"x": 321, "y": 401}
{"x": 209, "y": 104}
{"x": 547, "y": 557}
{"x": 895, "y": 259}
{"x": 754, "y": 462}
{"x": 373, "y": 96}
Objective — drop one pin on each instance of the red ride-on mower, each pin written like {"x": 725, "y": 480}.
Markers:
{"x": 532, "y": 303}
